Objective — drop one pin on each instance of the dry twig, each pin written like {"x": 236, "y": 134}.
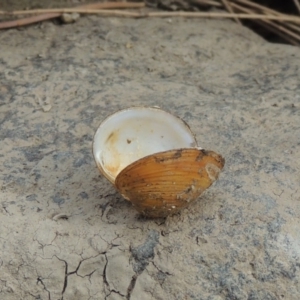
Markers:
{"x": 167, "y": 14}
{"x": 286, "y": 26}
{"x": 207, "y": 3}
{"x": 287, "y": 30}
{"x": 297, "y": 4}
{"x": 229, "y": 8}
{"x": 286, "y": 34}
{"x": 46, "y": 14}
{"x": 27, "y": 21}
{"x": 89, "y": 8}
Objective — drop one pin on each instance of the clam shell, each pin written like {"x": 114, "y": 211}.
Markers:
{"x": 163, "y": 183}
{"x": 134, "y": 133}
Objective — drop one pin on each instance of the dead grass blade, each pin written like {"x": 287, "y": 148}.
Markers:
{"x": 167, "y": 14}
{"x": 286, "y": 26}
{"x": 46, "y": 14}
{"x": 297, "y": 4}
{"x": 290, "y": 36}
{"x": 229, "y": 8}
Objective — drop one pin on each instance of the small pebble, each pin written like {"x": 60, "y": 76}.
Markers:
{"x": 70, "y": 18}
{"x": 47, "y": 107}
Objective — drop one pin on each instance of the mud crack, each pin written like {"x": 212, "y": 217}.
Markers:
{"x": 40, "y": 280}
{"x": 106, "y": 284}
{"x": 131, "y": 286}
{"x": 67, "y": 273}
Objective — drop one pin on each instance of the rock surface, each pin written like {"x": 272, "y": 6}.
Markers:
{"x": 65, "y": 231}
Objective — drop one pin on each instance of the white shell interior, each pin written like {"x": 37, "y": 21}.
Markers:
{"x": 133, "y": 133}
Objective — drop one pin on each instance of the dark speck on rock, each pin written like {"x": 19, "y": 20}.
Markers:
{"x": 261, "y": 295}
{"x": 84, "y": 195}
{"x": 58, "y": 200}
{"x": 33, "y": 154}
{"x": 80, "y": 162}
{"x": 31, "y": 197}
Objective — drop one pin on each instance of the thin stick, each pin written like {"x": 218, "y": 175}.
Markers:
{"x": 48, "y": 16}
{"x": 258, "y": 6}
{"x": 284, "y": 30}
{"x": 217, "y": 15}
{"x": 278, "y": 29}
{"x": 281, "y": 17}
{"x": 207, "y": 2}
{"x": 229, "y": 8}
{"x": 277, "y": 32}
{"x": 268, "y": 10}
{"x": 297, "y": 4}
{"x": 27, "y": 21}
{"x": 110, "y": 5}
{"x": 160, "y": 14}
{"x": 220, "y": 15}
{"x": 79, "y": 9}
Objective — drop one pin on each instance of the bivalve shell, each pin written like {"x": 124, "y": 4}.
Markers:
{"x": 153, "y": 159}
{"x": 163, "y": 183}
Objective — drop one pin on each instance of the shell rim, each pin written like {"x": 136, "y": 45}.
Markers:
{"x": 99, "y": 166}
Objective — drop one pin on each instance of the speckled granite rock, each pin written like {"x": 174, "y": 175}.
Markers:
{"x": 67, "y": 234}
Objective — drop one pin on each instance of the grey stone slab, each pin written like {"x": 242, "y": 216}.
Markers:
{"x": 65, "y": 231}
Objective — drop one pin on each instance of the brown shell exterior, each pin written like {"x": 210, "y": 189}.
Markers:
{"x": 163, "y": 183}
